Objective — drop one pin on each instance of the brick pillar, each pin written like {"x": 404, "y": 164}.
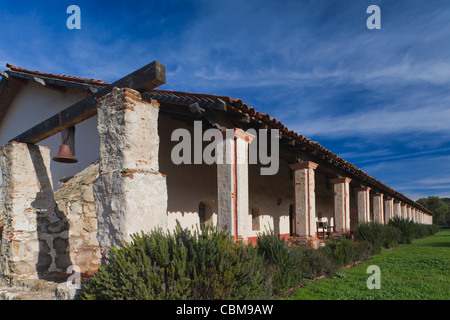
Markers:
{"x": 363, "y": 204}
{"x": 130, "y": 193}
{"x": 388, "y": 209}
{"x": 26, "y": 210}
{"x": 304, "y": 198}
{"x": 378, "y": 215}
{"x": 341, "y": 188}
{"x": 232, "y": 183}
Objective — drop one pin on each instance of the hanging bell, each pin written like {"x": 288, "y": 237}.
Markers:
{"x": 65, "y": 154}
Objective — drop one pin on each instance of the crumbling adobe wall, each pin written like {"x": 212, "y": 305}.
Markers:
{"x": 75, "y": 200}
{"x": 44, "y": 232}
{"x": 28, "y": 213}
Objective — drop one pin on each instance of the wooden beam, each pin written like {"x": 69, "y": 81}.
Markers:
{"x": 146, "y": 78}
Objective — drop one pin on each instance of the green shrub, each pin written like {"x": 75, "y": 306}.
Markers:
{"x": 343, "y": 251}
{"x": 183, "y": 265}
{"x": 406, "y": 227}
{"x": 317, "y": 262}
{"x": 363, "y": 249}
{"x": 282, "y": 262}
{"x": 391, "y": 236}
{"x": 372, "y": 232}
{"x": 424, "y": 230}
{"x": 433, "y": 229}
{"x": 420, "y": 231}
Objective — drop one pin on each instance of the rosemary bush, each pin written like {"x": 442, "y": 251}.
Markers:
{"x": 205, "y": 264}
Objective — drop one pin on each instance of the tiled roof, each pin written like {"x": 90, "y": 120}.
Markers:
{"x": 58, "y": 76}
{"x": 238, "y": 105}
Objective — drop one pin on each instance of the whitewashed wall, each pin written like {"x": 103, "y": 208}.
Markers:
{"x": 34, "y": 104}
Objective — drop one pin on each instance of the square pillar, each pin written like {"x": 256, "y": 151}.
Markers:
{"x": 304, "y": 198}
{"x": 232, "y": 183}
{"x": 341, "y": 188}
{"x": 397, "y": 208}
{"x": 130, "y": 193}
{"x": 363, "y": 204}
{"x": 27, "y": 209}
{"x": 388, "y": 209}
{"x": 378, "y": 212}
{"x": 404, "y": 214}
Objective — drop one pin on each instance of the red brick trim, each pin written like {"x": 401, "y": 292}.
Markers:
{"x": 340, "y": 180}
{"x": 362, "y": 189}
{"x": 241, "y": 134}
{"x": 303, "y": 165}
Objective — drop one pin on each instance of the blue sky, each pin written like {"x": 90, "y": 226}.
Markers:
{"x": 378, "y": 98}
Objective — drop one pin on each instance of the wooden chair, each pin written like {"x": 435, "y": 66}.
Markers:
{"x": 324, "y": 226}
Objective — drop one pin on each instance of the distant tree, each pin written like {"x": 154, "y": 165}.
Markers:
{"x": 440, "y": 207}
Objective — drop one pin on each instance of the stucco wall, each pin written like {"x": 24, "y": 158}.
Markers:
{"x": 324, "y": 198}
{"x": 187, "y": 185}
{"x": 272, "y": 195}
{"x": 34, "y": 104}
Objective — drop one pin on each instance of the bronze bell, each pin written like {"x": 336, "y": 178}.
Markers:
{"x": 65, "y": 154}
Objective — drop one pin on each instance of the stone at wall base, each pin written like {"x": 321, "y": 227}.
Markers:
{"x": 68, "y": 291}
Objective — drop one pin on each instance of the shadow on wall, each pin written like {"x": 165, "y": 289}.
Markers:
{"x": 51, "y": 224}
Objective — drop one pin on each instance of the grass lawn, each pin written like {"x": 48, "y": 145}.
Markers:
{"x": 417, "y": 271}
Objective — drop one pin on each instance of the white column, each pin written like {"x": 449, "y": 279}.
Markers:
{"x": 378, "y": 215}
{"x": 341, "y": 188}
{"x": 388, "y": 209}
{"x": 232, "y": 183}
{"x": 304, "y": 198}
{"x": 397, "y": 208}
{"x": 363, "y": 204}
{"x": 404, "y": 213}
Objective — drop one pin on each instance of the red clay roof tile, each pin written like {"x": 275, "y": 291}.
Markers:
{"x": 58, "y": 76}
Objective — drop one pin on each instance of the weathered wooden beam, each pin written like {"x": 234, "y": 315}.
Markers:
{"x": 146, "y": 78}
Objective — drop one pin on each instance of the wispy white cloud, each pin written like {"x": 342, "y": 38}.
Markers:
{"x": 312, "y": 64}
{"x": 434, "y": 118}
